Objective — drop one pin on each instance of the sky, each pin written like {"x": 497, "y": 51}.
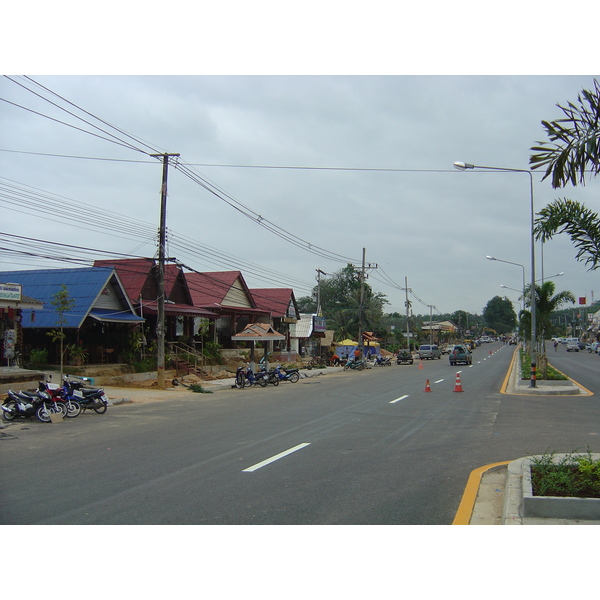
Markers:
{"x": 340, "y": 162}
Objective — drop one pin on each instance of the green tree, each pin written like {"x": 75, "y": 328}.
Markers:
{"x": 571, "y": 154}
{"x": 63, "y": 303}
{"x": 340, "y": 303}
{"x": 499, "y": 315}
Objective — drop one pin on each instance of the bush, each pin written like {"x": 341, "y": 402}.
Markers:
{"x": 212, "y": 351}
{"x": 38, "y": 358}
{"x": 196, "y": 387}
{"x": 572, "y": 476}
{"x": 553, "y": 374}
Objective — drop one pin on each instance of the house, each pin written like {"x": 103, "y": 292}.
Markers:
{"x": 307, "y": 336}
{"x": 140, "y": 279}
{"x": 280, "y": 304}
{"x": 12, "y": 303}
{"x": 100, "y": 319}
{"x": 225, "y": 294}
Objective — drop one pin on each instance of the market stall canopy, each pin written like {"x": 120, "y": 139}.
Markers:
{"x": 347, "y": 343}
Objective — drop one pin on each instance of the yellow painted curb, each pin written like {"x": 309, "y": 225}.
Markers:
{"x": 465, "y": 508}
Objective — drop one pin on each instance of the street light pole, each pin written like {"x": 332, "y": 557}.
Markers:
{"x": 511, "y": 263}
{"x": 462, "y": 166}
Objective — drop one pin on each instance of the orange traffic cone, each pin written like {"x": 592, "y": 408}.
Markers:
{"x": 490, "y": 351}
{"x": 420, "y": 364}
{"x": 458, "y": 384}
{"x": 427, "y": 386}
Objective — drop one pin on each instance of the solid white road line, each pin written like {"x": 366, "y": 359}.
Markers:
{"x": 268, "y": 461}
{"x": 398, "y": 399}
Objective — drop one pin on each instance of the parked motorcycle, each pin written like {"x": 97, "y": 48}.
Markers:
{"x": 287, "y": 374}
{"x": 359, "y": 365}
{"x": 89, "y": 398}
{"x": 245, "y": 377}
{"x": 72, "y": 407}
{"x": 26, "y": 405}
{"x": 382, "y": 361}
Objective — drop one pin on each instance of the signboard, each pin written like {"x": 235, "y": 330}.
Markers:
{"x": 10, "y": 291}
{"x": 582, "y": 300}
{"x": 319, "y": 324}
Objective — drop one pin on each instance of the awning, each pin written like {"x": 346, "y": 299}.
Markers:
{"x": 178, "y": 310}
{"x": 113, "y": 316}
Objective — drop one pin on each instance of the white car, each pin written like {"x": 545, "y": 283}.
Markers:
{"x": 593, "y": 347}
{"x": 572, "y": 346}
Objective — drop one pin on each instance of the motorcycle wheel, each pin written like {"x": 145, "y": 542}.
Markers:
{"x": 262, "y": 382}
{"x": 294, "y": 377}
{"x": 346, "y": 367}
{"x": 240, "y": 382}
{"x": 12, "y": 415}
{"x": 61, "y": 407}
{"x": 100, "y": 407}
{"x": 43, "y": 413}
{"x": 360, "y": 367}
{"x": 73, "y": 409}
{"x": 274, "y": 380}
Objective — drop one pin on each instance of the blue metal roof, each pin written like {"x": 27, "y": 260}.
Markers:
{"x": 83, "y": 285}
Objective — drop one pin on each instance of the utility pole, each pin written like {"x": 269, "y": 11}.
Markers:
{"x": 407, "y": 304}
{"x": 431, "y": 324}
{"x": 362, "y": 300}
{"x": 162, "y": 236}
{"x": 319, "y": 273}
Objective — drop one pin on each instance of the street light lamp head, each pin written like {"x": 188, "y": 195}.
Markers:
{"x": 463, "y": 166}
{"x": 490, "y": 258}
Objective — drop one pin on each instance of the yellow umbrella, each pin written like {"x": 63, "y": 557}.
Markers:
{"x": 348, "y": 343}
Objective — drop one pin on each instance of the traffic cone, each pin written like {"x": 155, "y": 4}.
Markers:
{"x": 490, "y": 351}
{"x": 420, "y": 364}
{"x": 427, "y": 386}
{"x": 458, "y": 384}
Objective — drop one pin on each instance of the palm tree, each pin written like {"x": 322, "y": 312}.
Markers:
{"x": 574, "y": 141}
{"x": 574, "y": 146}
{"x": 545, "y": 304}
{"x": 581, "y": 223}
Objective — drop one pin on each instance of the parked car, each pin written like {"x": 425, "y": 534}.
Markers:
{"x": 572, "y": 346}
{"x": 429, "y": 351}
{"x": 447, "y": 348}
{"x": 460, "y": 354}
{"x": 404, "y": 357}
{"x": 593, "y": 347}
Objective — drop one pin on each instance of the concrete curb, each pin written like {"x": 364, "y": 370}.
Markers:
{"x": 521, "y": 507}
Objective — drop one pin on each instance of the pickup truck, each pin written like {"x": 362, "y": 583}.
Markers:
{"x": 404, "y": 357}
{"x": 460, "y": 354}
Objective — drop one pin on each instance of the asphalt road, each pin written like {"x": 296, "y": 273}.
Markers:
{"x": 367, "y": 447}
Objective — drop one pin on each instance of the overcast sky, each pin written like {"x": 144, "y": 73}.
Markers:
{"x": 421, "y": 220}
